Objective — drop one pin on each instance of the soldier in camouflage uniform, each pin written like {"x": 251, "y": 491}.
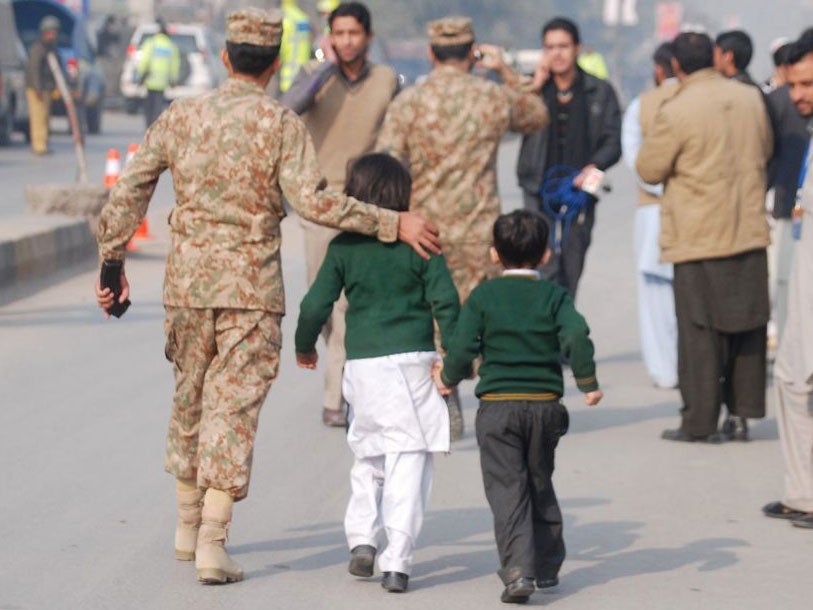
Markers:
{"x": 233, "y": 153}
{"x": 447, "y": 130}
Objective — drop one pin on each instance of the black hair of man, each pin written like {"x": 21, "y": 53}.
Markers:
{"x": 356, "y": 10}
{"x": 562, "y": 23}
{"x": 452, "y": 52}
{"x": 693, "y": 51}
{"x": 800, "y": 48}
{"x": 251, "y": 59}
{"x": 162, "y": 25}
{"x": 663, "y": 57}
{"x": 380, "y": 179}
{"x": 520, "y": 239}
{"x": 739, "y": 43}
{"x": 780, "y": 56}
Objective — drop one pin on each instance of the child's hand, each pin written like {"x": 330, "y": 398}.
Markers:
{"x": 592, "y": 398}
{"x": 307, "y": 361}
{"x": 436, "y": 369}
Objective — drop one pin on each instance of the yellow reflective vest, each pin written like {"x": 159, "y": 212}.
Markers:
{"x": 159, "y": 62}
{"x": 295, "y": 48}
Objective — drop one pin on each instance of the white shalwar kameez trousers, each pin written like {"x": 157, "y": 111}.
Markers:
{"x": 397, "y": 419}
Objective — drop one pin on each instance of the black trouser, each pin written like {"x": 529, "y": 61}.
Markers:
{"x": 565, "y": 267}
{"x": 154, "y": 105}
{"x": 714, "y": 366}
{"x": 517, "y": 441}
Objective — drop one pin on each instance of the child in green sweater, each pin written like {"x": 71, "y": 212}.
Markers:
{"x": 397, "y": 418}
{"x": 521, "y": 325}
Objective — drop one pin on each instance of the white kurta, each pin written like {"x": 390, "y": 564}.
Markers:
{"x": 794, "y": 368}
{"x": 394, "y": 406}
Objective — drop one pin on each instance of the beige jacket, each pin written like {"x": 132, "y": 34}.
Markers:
{"x": 709, "y": 145}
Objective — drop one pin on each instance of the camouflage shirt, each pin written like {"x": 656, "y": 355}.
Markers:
{"x": 447, "y": 130}
{"x": 233, "y": 153}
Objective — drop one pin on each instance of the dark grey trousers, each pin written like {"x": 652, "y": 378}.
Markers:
{"x": 154, "y": 105}
{"x": 517, "y": 441}
{"x": 565, "y": 267}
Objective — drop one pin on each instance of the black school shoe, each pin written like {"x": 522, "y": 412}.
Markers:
{"x": 518, "y": 591}
{"x": 777, "y": 510}
{"x": 547, "y": 583}
{"x": 395, "y": 582}
{"x": 362, "y": 559}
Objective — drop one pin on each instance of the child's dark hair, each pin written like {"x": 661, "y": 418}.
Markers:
{"x": 521, "y": 238}
{"x": 380, "y": 179}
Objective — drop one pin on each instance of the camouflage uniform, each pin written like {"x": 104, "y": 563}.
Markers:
{"x": 233, "y": 153}
{"x": 447, "y": 130}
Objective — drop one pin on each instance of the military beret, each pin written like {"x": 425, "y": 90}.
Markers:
{"x": 450, "y": 31}
{"x": 255, "y": 26}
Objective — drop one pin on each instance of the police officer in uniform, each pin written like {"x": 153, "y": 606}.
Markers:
{"x": 159, "y": 67}
{"x": 234, "y": 153}
{"x": 40, "y": 84}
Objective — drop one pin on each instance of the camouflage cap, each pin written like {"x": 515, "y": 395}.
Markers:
{"x": 255, "y": 26}
{"x": 450, "y": 31}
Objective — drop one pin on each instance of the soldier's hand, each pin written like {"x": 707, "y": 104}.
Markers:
{"x": 492, "y": 57}
{"x": 307, "y": 361}
{"x": 422, "y": 235}
{"x": 593, "y": 398}
{"x": 105, "y": 297}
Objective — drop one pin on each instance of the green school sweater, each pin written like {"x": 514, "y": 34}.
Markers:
{"x": 392, "y": 296}
{"x": 521, "y": 326}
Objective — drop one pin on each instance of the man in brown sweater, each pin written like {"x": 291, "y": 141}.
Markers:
{"x": 343, "y": 105}
{"x": 710, "y": 145}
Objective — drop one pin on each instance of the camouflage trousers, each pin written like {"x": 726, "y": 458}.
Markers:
{"x": 224, "y": 362}
{"x": 470, "y": 265}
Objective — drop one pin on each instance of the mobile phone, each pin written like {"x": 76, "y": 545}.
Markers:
{"x": 593, "y": 181}
{"x": 110, "y": 277}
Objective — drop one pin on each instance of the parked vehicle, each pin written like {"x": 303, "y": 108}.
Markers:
{"x": 76, "y": 53}
{"x": 13, "y": 106}
{"x": 201, "y": 68}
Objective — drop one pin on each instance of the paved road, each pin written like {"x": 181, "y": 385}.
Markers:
{"x": 19, "y": 167}
{"x": 86, "y": 512}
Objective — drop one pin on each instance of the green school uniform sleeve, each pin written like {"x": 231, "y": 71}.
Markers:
{"x": 317, "y": 304}
{"x": 442, "y": 296}
{"x": 574, "y": 340}
{"x": 465, "y": 344}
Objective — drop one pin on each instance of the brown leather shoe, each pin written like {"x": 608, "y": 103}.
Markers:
{"x": 334, "y": 418}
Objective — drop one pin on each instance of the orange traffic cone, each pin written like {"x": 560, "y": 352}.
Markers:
{"x": 112, "y": 168}
{"x": 143, "y": 231}
{"x": 131, "y": 151}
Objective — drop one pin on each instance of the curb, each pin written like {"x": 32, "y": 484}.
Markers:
{"x": 35, "y": 246}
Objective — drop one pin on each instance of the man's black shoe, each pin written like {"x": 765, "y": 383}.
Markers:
{"x": 679, "y": 434}
{"x": 395, "y": 582}
{"x": 362, "y": 559}
{"x": 805, "y": 521}
{"x": 777, "y": 510}
{"x": 518, "y": 591}
{"x": 735, "y": 428}
{"x": 546, "y": 583}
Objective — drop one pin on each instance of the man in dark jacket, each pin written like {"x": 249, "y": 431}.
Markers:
{"x": 584, "y": 134}
{"x": 39, "y": 84}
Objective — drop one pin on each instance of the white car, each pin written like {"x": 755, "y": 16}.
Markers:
{"x": 201, "y": 68}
